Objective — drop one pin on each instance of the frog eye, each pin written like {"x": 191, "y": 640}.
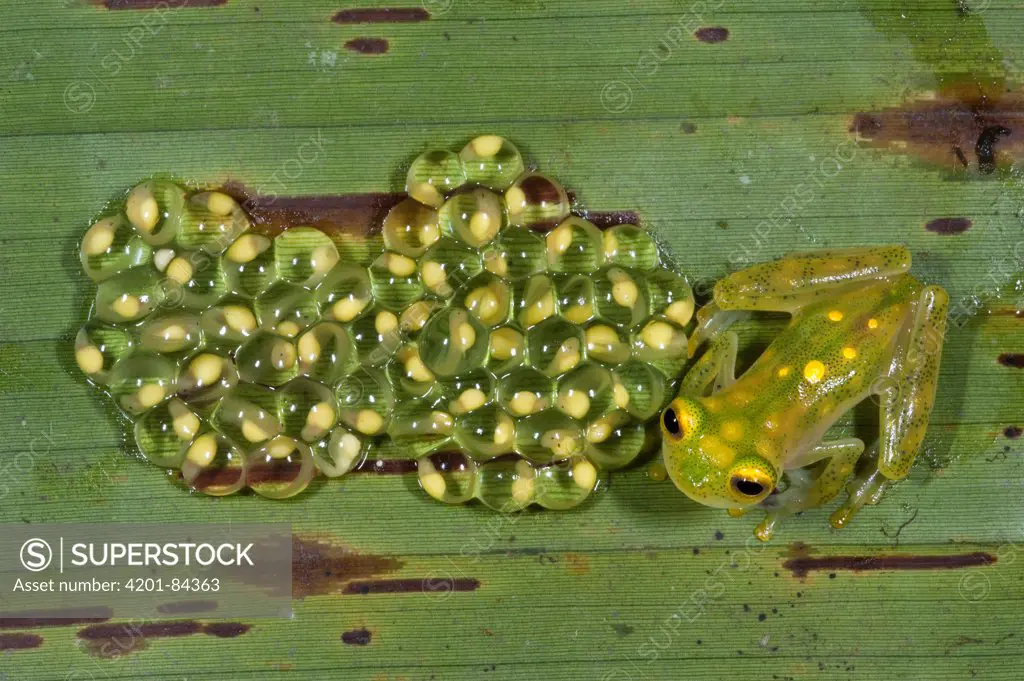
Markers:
{"x": 672, "y": 425}
{"x": 748, "y": 488}
{"x": 749, "y": 483}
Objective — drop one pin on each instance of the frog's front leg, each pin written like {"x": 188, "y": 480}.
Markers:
{"x": 715, "y": 369}
{"x": 791, "y": 283}
{"x": 907, "y": 398}
{"x": 811, "y": 487}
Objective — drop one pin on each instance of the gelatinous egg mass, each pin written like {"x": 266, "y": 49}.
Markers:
{"x": 512, "y": 347}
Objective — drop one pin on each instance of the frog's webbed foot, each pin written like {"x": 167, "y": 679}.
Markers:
{"x": 818, "y": 477}
{"x": 865, "y": 489}
{"x": 906, "y": 403}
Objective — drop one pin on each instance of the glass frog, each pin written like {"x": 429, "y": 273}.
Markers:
{"x": 861, "y": 326}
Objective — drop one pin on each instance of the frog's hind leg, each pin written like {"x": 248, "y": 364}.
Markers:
{"x": 811, "y": 485}
{"x": 791, "y": 283}
{"x": 788, "y": 284}
{"x": 906, "y": 403}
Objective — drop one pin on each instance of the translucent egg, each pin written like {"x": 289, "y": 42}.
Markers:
{"x": 206, "y": 377}
{"x": 267, "y": 358}
{"x": 555, "y": 346}
{"x": 450, "y": 477}
{"x": 212, "y": 221}
{"x": 453, "y": 342}
{"x": 537, "y": 201}
{"x": 395, "y": 280}
{"x": 411, "y": 228}
{"x": 345, "y": 292}
{"x": 365, "y": 401}
{"x": 249, "y": 264}
{"x": 338, "y": 453}
{"x": 575, "y": 247}
{"x": 419, "y": 427}
{"x": 620, "y": 296}
{"x": 110, "y": 246}
{"x": 630, "y": 246}
{"x": 447, "y": 266}
{"x": 506, "y": 484}
{"x": 142, "y": 380}
{"x": 491, "y": 161}
{"x": 286, "y": 309}
{"x": 547, "y": 436}
{"x": 248, "y": 414}
{"x": 214, "y": 466}
{"x": 308, "y": 409}
{"x": 565, "y": 484}
{"x": 433, "y": 174}
{"x": 155, "y": 209}
{"x": 304, "y": 256}
{"x": 129, "y": 295}
{"x": 485, "y": 432}
{"x": 640, "y": 389}
{"x": 280, "y": 468}
{"x": 474, "y": 216}
{"x": 98, "y": 346}
{"x": 170, "y": 332}
{"x": 326, "y": 352}
{"x": 164, "y": 432}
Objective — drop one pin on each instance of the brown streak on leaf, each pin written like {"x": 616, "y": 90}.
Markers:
{"x": 804, "y": 565}
{"x": 320, "y": 568}
{"x": 371, "y": 15}
{"x": 979, "y": 134}
{"x": 358, "y": 214}
{"x": 20, "y": 641}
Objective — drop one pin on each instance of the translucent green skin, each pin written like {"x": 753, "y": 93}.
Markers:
{"x": 861, "y": 326}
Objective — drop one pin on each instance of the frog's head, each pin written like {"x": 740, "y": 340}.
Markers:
{"x": 711, "y": 459}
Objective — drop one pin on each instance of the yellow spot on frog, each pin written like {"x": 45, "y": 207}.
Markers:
{"x": 720, "y": 453}
{"x": 849, "y": 353}
{"x": 814, "y": 371}
{"x": 872, "y": 323}
{"x": 732, "y": 431}
{"x": 783, "y": 372}
{"x": 835, "y": 316}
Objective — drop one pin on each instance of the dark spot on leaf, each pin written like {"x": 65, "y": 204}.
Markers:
{"x": 367, "y": 45}
{"x": 712, "y": 34}
{"x": 357, "y": 637}
{"x": 225, "y": 629}
{"x": 948, "y": 225}
{"x": 1014, "y": 360}
{"x": 1013, "y": 432}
